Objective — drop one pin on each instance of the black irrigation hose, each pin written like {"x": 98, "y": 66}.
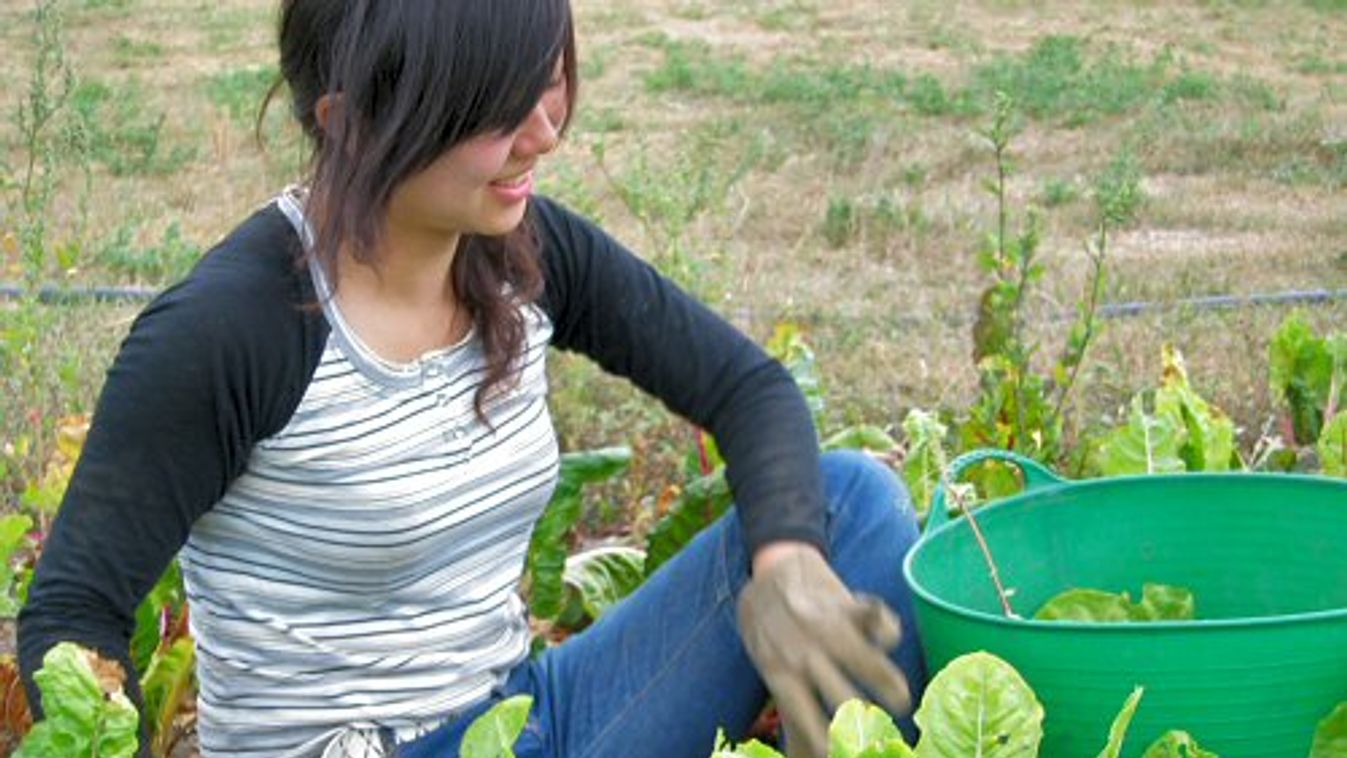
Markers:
{"x": 53, "y": 295}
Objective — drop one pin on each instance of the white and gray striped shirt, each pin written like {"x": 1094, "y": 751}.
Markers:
{"x": 363, "y": 570}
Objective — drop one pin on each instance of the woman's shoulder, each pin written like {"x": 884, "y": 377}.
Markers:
{"x": 251, "y": 286}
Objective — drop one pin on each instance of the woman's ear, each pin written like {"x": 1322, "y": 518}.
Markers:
{"x": 322, "y": 110}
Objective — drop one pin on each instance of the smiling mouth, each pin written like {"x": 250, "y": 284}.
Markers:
{"x": 514, "y": 181}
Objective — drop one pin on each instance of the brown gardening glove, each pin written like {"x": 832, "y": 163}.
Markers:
{"x": 813, "y": 642}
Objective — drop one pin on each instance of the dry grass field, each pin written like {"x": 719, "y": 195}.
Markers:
{"x": 817, "y": 162}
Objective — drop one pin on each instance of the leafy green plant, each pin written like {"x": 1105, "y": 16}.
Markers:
{"x": 925, "y": 458}
{"x": 87, "y": 712}
{"x": 1159, "y": 602}
{"x": 1176, "y": 744}
{"x": 550, "y": 544}
{"x": 1306, "y": 374}
{"x": 858, "y": 730}
{"x": 169, "y": 685}
{"x": 1330, "y": 738}
{"x": 1333, "y": 446}
{"x": 979, "y": 705}
{"x": 494, "y": 733}
{"x": 1017, "y": 407}
{"x": 1117, "y": 732}
{"x": 597, "y": 579}
{"x": 1170, "y": 429}
{"x": 697, "y": 505}
{"x": 14, "y": 529}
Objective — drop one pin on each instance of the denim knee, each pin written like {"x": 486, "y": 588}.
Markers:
{"x": 863, "y": 494}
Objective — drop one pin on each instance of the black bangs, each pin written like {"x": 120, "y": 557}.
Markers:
{"x": 419, "y": 76}
{"x": 385, "y": 87}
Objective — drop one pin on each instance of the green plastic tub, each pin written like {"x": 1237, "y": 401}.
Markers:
{"x": 1264, "y": 554}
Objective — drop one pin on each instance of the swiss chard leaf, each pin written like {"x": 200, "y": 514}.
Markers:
{"x": 979, "y": 705}
{"x": 167, "y": 596}
{"x": 1209, "y": 439}
{"x": 1333, "y": 446}
{"x": 87, "y": 713}
{"x": 787, "y": 345}
{"x": 1087, "y": 605}
{"x": 1118, "y": 731}
{"x": 750, "y": 749}
{"x": 699, "y": 504}
{"x": 1300, "y": 372}
{"x": 1176, "y": 744}
{"x": 860, "y": 437}
{"x": 14, "y": 530}
{"x": 168, "y": 684}
{"x": 925, "y": 458}
{"x": 859, "y": 729}
{"x": 603, "y": 576}
{"x": 548, "y": 546}
{"x": 1330, "y": 739}
{"x": 1159, "y": 602}
{"x": 1148, "y": 444}
{"x": 494, "y": 733}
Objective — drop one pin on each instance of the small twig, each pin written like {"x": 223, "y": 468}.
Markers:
{"x": 995, "y": 573}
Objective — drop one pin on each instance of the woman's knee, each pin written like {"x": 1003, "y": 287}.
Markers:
{"x": 862, "y": 492}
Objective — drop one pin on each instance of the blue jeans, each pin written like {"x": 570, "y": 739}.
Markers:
{"x": 661, "y": 671}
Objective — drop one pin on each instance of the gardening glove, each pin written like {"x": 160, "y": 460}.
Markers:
{"x": 813, "y": 642}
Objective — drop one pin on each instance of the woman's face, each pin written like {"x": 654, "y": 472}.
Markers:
{"x": 481, "y": 185}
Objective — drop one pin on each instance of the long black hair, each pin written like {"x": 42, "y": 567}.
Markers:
{"x": 415, "y": 78}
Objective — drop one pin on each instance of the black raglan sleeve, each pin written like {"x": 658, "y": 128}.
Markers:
{"x": 209, "y": 368}
{"x": 608, "y": 304}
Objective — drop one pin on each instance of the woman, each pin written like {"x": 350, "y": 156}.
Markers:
{"x": 339, "y": 418}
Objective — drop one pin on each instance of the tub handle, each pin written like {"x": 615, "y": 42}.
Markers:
{"x": 1036, "y": 476}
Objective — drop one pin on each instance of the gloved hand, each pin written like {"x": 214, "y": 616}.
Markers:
{"x": 813, "y": 641}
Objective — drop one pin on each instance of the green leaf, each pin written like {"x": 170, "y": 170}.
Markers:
{"x": 1087, "y": 605}
{"x": 1330, "y": 739}
{"x": 1159, "y": 602}
{"x": 167, "y": 594}
{"x": 1148, "y": 444}
{"x": 1209, "y": 440}
{"x": 14, "y": 530}
{"x": 1164, "y": 602}
{"x": 702, "y": 502}
{"x": 861, "y": 437}
{"x": 1300, "y": 373}
{"x": 168, "y": 685}
{"x": 979, "y": 705}
{"x": 1333, "y": 446}
{"x": 1176, "y": 744}
{"x": 84, "y": 717}
{"x": 1118, "y": 731}
{"x": 750, "y": 749}
{"x": 894, "y": 748}
{"x": 549, "y": 545}
{"x": 603, "y": 576}
{"x": 493, "y": 734}
{"x": 787, "y": 345}
{"x": 926, "y": 457}
{"x": 857, "y": 727}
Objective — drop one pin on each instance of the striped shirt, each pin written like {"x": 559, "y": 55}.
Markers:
{"x": 362, "y": 571}
{"x": 351, "y": 535}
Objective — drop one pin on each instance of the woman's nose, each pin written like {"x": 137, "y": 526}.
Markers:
{"x": 539, "y": 134}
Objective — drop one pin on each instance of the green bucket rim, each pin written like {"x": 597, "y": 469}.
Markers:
{"x": 1089, "y": 627}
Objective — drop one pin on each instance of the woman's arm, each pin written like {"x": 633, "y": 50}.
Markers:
{"x": 610, "y": 305}
{"x": 209, "y": 368}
